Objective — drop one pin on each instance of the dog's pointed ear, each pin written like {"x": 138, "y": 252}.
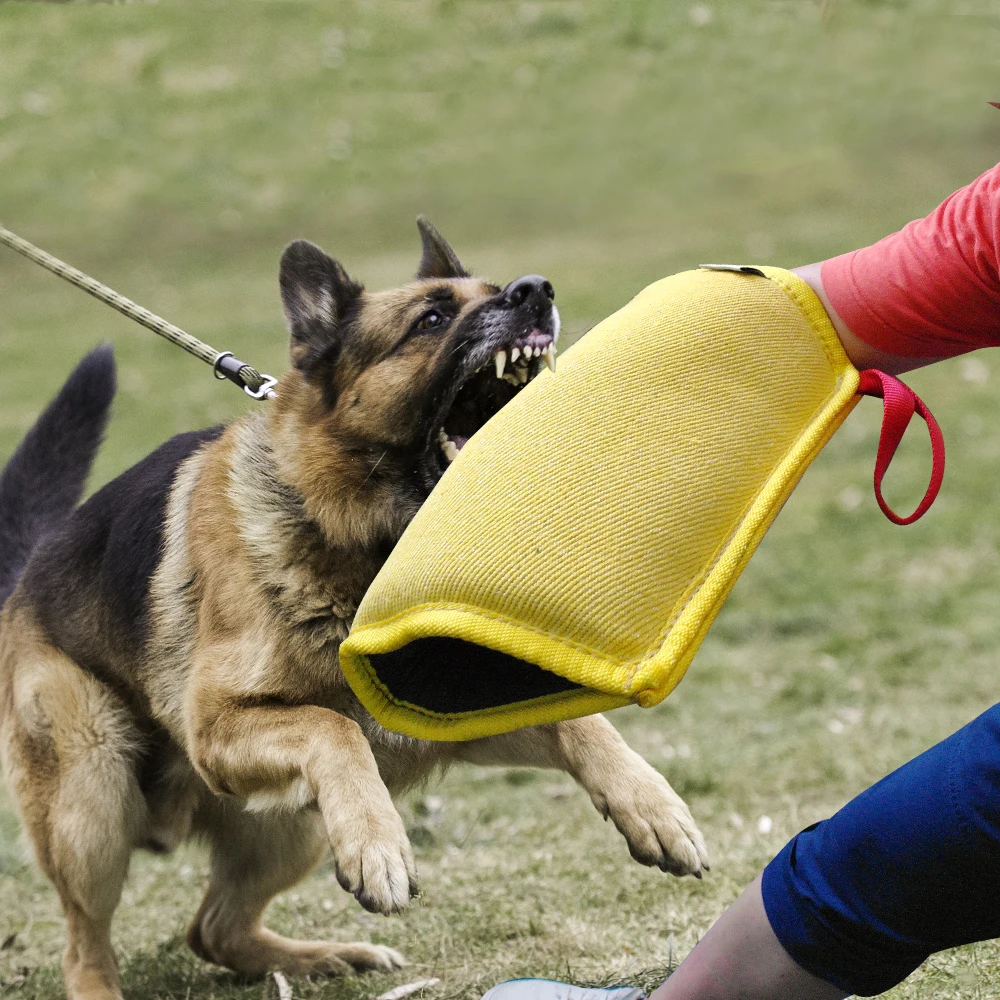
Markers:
{"x": 438, "y": 260}
{"x": 315, "y": 292}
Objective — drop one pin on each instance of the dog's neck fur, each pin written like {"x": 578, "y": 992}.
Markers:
{"x": 314, "y": 559}
{"x": 358, "y": 497}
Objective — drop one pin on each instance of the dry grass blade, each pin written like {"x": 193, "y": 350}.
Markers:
{"x": 404, "y": 991}
{"x": 284, "y": 990}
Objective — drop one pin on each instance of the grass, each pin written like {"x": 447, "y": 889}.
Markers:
{"x": 171, "y": 149}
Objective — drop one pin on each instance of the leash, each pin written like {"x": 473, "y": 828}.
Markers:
{"x": 255, "y": 384}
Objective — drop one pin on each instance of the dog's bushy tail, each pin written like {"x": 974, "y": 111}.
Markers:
{"x": 45, "y": 477}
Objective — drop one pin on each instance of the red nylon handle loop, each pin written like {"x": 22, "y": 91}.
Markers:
{"x": 900, "y": 403}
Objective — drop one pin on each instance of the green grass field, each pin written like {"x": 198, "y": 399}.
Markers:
{"x": 172, "y": 149}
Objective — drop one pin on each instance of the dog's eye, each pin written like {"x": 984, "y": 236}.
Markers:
{"x": 430, "y": 320}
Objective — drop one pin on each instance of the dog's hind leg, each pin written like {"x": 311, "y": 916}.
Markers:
{"x": 67, "y": 746}
{"x": 254, "y": 856}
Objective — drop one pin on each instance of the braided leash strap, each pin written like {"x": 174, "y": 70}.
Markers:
{"x": 255, "y": 384}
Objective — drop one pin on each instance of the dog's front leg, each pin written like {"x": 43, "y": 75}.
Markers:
{"x": 654, "y": 820}
{"x": 279, "y": 756}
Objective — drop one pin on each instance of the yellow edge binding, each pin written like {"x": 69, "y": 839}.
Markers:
{"x": 630, "y": 682}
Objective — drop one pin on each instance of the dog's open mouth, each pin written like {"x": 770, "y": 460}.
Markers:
{"x": 498, "y": 379}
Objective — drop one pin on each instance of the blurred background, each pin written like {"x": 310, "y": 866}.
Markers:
{"x": 171, "y": 149}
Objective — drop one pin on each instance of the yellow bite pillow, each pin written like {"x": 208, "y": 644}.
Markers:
{"x": 577, "y": 550}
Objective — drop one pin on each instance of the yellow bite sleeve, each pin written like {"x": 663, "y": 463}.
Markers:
{"x": 576, "y": 552}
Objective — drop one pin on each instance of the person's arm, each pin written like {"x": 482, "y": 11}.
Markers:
{"x": 928, "y": 292}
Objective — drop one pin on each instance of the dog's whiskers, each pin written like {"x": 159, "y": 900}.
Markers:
{"x": 370, "y": 474}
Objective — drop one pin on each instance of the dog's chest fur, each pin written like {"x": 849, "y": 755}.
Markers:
{"x": 291, "y": 591}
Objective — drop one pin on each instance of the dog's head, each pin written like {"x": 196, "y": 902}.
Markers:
{"x": 399, "y": 380}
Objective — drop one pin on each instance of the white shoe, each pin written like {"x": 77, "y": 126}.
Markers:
{"x": 548, "y": 989}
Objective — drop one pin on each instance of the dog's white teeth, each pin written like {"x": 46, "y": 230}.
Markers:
{"x": 501, "y": 362}
{"x": 447, "y": 446}
{"x": 523, "y": 374}
{"x": 550, "y": 357}
{"x": 514, "y": 355}
{"x": 511, "y": 378}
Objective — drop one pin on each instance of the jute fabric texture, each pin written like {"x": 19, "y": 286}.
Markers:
{"x": 594, "y": 527}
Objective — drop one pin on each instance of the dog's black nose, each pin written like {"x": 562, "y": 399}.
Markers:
{"x": 531, "y": 288}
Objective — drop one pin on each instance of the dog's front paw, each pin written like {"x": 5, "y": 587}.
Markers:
{"x": 373, "y": 857}
{"x": 655, "y": 822}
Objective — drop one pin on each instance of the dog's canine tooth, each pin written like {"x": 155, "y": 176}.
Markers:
{"x": 442, "y": 437}
{"x": 522, "y": 374}
{"x": 449, "y": 449}
{"x": 501, "y": 362}
{"x": 550, "y": 357}
{"x": 514, "y": 355}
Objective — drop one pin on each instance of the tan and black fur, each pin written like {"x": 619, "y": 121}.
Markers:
{"x": 168, "y": 655}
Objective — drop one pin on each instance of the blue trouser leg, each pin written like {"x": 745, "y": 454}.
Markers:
{"x": 909, "y": 867}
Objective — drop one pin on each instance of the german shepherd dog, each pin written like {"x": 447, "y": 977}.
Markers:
{"x": 168, "y": 649}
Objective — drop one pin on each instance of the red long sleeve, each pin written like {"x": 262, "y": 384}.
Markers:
{"x": 933, "y": 288}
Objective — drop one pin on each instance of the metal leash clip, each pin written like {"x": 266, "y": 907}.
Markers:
{"x": 255, "y": 384}
{"x": 266, "y": 390}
